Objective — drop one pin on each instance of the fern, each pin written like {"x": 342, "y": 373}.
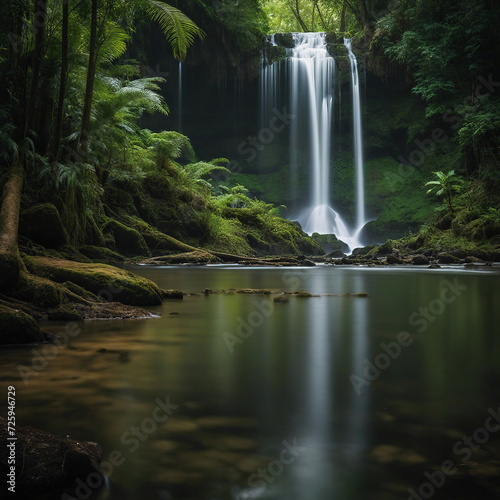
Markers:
{"x": 179, "y": 30}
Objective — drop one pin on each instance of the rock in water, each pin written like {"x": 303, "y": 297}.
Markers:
{"x": 48, "y": 462}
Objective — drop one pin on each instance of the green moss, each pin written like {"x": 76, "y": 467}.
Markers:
{"x": 284, "y": 40}
{"x": 330, "y": 243}
{"x": 105, "y": 281}
{"x": 39, "y": 291}
{"x": 19, "y": 328}
{"x": 127, "y": 240}
{"x": 43, "y": 225}
{"x": 155, "y": 239}
{"x": 100, "y": 254}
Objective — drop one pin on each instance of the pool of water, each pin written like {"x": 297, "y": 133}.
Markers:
{"x": 234, "y": 396}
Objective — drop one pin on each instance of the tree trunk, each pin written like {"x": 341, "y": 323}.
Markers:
{"x": 296, "y": 13}
{"x": 448, "y": 198}
{"x": 342, "y": 19}
{"x": 39, "y": 22}
{"x": 89, "y": 90}
{"x": 325, "y": 27}
{"x": 56, "y": 138}
{"x": 10, "y": 261}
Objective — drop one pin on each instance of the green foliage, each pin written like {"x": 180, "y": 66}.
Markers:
{"x": 318, "y": 15}
{"x": 445, "y": 185}
{"x": 449, "y": 48}
{"x": 179, "y": 30}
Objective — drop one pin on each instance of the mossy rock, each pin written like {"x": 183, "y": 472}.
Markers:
{"x": 364, "y": 250}
{"x": 330, "y": 243}
{"x": 284, "y": 40}
{"x": 257, "y": 244}
{"x": 100, "y": 254}
{"x": 43, "y": 225}
{"x": 445, "y": 221}
{"x": 39, "y": 291}
{"x": 244, "y": 215}
{"x": 195, "y": 257}
{"x": 19, "y": 328}
{"x": 104, "y": 280}
{"x": 127, "y": 240}
{"x": 155, "y": 239}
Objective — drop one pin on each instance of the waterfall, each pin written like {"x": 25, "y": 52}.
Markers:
{"x": 179, "y": 125}
{"x": 358, "y": 139}
{"x": 308, "y": 98}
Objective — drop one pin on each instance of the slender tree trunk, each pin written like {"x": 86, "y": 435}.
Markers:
{"x": 56, "y": 138}
{"x": 10, "y": 261}
{"x": 448, "y": 197}
{"x": 342, "y": 19}
{"x": 39, "y": 23}
{"x": 325, "y": 27}
{"x": 91, "y": 70}
{"x": 296, "y": 13}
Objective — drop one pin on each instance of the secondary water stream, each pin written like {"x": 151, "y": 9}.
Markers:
{"x": 284, "y": 400}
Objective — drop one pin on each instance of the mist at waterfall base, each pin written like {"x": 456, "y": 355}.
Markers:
{"x": 310, "y": 79}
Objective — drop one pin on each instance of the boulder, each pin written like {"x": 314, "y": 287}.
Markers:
{"x": 19, "y": 328}
{"x": 446, "y": 258}
{"x": 48, "y": 463}
{"x": 127, "y": 240}
{"x": 42, "y": 224}
{"x": 420, "y": 260}
{"x": 108, "y": 282}
{"x": 393, "y": 259}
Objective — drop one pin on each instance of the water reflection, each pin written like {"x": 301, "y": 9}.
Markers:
{"x": 288, "y": 380}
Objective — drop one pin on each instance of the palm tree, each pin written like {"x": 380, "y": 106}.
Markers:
{"x": 446, "y": 185}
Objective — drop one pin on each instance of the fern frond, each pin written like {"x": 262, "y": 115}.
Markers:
{"x": 179, "y": 30}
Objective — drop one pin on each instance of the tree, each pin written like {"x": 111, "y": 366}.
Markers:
{"x": 446, "y": 185}
{"x": 43, "y": 19}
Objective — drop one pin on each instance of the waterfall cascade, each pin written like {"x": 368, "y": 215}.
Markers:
{"x": 358, "y": 139}
{"x": 308, "y": 94}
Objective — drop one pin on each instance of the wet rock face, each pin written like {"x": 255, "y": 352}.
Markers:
{"x": 48, "y": 462}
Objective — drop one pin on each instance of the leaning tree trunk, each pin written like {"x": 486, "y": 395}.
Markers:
{"x": 10, "y": 260}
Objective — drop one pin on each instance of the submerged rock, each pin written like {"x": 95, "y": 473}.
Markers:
{"x": 47, "y": 462}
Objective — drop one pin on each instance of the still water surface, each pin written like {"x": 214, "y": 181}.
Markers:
{"x": 272, "y": 411}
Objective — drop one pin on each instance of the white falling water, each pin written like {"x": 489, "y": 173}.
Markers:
{"x": 358, "y": 140}
{"x": 309, "y": 97}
